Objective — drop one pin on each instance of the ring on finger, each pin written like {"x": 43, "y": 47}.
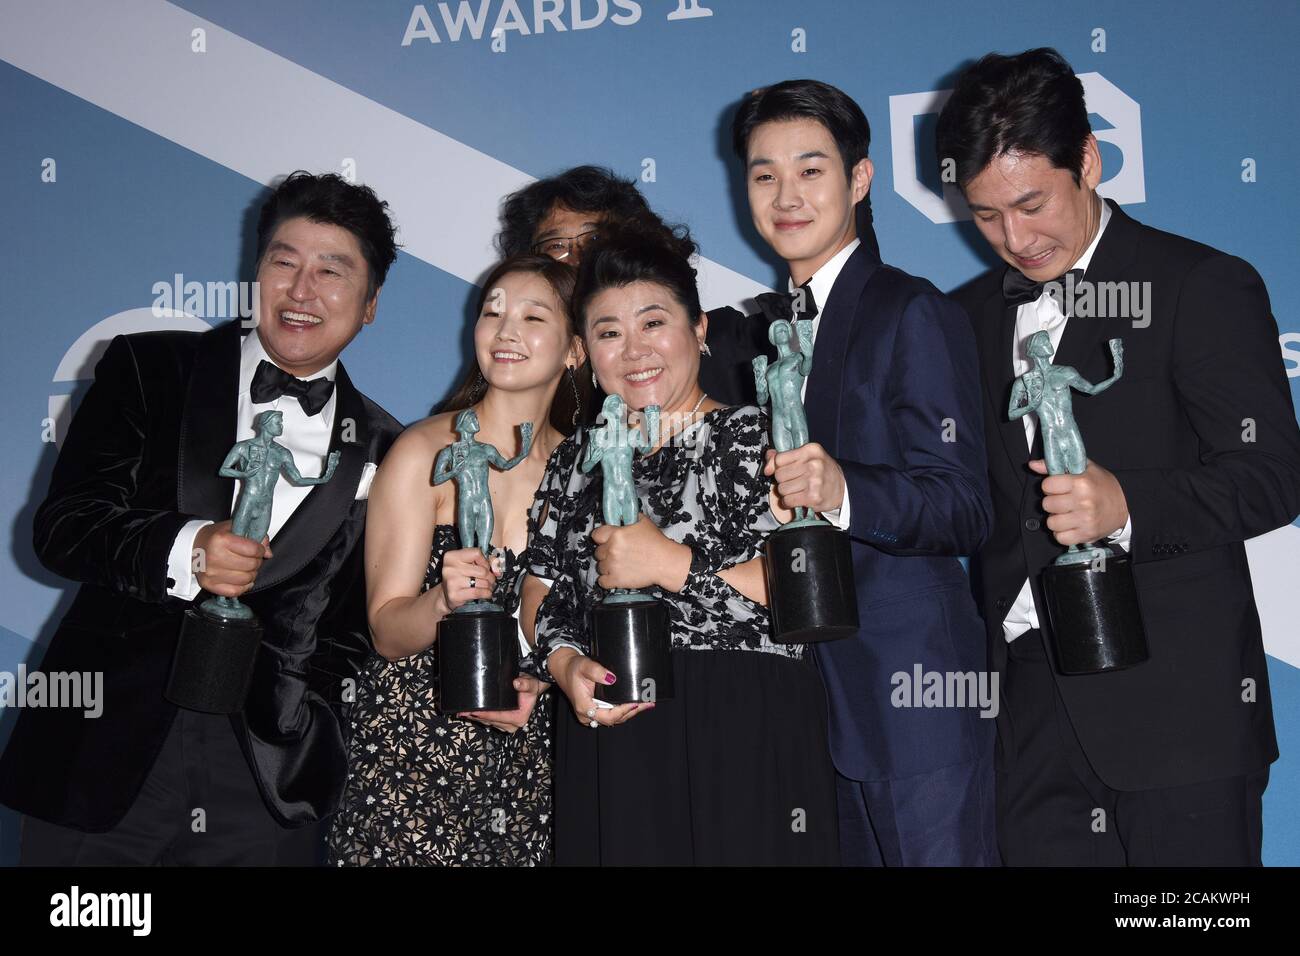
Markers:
{"x": 473, "y": 583}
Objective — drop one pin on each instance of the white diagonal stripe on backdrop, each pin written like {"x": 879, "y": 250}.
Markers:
{"x": 134, "y": 59}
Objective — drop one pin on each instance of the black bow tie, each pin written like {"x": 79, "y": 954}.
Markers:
{"x": 270, "y": 382}
{"x": 1017, "y": 288}
{"x": 798, "y": 304}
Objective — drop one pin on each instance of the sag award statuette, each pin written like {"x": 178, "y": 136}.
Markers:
{"x": 1092, "y": 605}
{"x": 809, "y": 563}
{"x": 478, "y": 652}
{"x": 218, "y": 643}
{"x": 629, "y": 628}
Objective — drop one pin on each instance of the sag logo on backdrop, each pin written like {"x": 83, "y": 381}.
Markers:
{"x": 470, "y": 17}
{"x": 1104, "y": 99}
{"x": 1291, "y": 353}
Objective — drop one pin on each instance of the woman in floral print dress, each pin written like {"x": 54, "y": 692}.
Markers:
{"x": 432, "y": 788}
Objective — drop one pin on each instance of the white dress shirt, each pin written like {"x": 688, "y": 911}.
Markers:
{"x": 306, "y": 436}
{"x": 1044, "y": 315}
{"x": 821, "y": 283}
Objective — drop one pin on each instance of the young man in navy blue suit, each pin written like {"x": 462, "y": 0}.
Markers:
{"x": 897, "y": 461}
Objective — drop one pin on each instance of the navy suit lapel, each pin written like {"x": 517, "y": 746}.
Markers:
{"x": 319, "y": 515}
{"x": 208, "y": 425}
{"x": 838, "y": 315}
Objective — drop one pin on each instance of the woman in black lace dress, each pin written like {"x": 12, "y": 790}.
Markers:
{"x": 424, "y": 787}
{"x": 734, "y": 768}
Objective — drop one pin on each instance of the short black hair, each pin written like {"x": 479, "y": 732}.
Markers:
{"x": 1027, "y": 103}
{"x": 625, "y": 254}
{"x": 806, "y": 99}
{"x": 329, "y": 198}
{"x": 583, "y": 189}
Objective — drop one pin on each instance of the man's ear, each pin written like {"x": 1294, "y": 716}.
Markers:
{"x": 371, "y": 306}
{"x": 860, "y": 179}
{"x": 1090, "y": 171}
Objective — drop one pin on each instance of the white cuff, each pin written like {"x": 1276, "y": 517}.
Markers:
{"x": 1123, "y": 536}
{"x": 840, "y": 516}
{"x": 180, "y": 567}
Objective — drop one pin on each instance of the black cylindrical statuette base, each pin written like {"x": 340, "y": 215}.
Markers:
{"x": 212, "y": 668}
{"x": 478, "y": 660}
{"x": 1094, "y": 619}
{"x": 810, "y": 584}
{"x": 631, "y": 640}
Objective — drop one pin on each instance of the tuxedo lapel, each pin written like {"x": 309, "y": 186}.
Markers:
{"x": 826, "y": 380}
{"x": 208, "y": 425}
{"x": 1079, "y": 343}
{"x": 1083, "y": 335}
{"x": 323, "y": 511}
{"x": 998, "y": 331}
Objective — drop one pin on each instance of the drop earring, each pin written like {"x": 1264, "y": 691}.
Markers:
{"x": 577, "y": 399}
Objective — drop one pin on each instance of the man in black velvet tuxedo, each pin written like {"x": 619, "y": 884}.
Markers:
{"x": 135, "y": 500}
{"x": 1193, "y": 451}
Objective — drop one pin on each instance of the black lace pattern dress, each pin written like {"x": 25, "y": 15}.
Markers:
{"x": 735, "y": 768}
{"x": 431, "y": 789}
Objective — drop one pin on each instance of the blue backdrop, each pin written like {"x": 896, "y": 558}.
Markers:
{"x": 139, "y": 136}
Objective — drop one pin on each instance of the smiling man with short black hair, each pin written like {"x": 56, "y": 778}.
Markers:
{"x": 896, "y": 460}
{"x": 136, "y": 492}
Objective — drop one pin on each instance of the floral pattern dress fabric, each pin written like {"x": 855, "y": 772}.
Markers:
{"x": 432, "y": 789}
{"x": 703, "y": 488}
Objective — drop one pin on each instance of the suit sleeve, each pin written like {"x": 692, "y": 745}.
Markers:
{"x": 937, "y": 502}
{"x": 1234, "y": 391}
{"x": 88, "y": 529}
